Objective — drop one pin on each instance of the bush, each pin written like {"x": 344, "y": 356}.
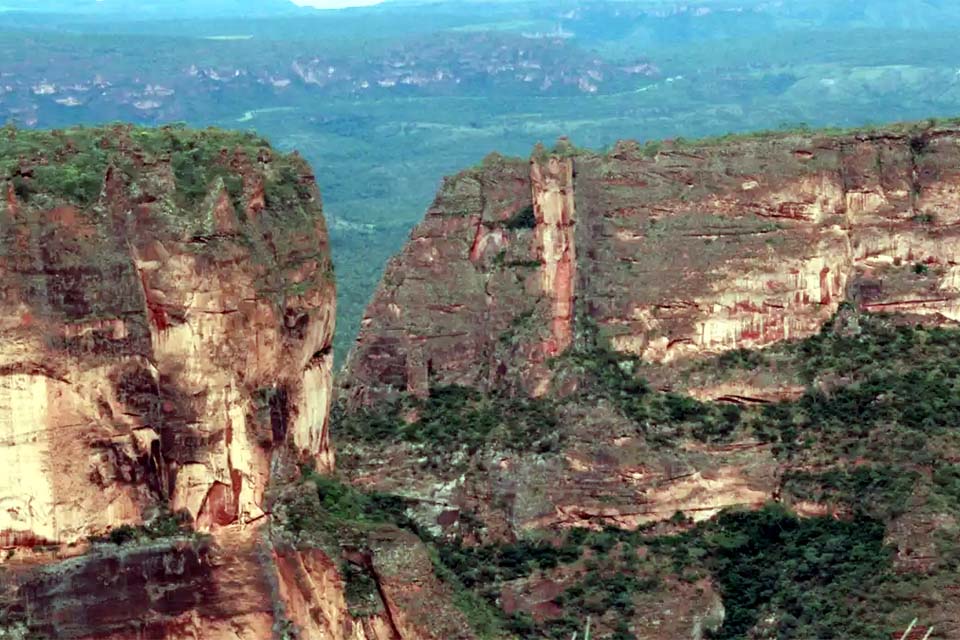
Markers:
{"x": 524, "y": 219}
{"x": 454, "y": 419}
{"x": 165, "y": 525}
{"x": 814, "y": 574}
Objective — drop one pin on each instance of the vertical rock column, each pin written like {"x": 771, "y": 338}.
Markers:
{"x": 553, "y": 204}
{"x": 314, "y": 389}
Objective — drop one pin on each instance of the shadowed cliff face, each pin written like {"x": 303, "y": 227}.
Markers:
{"x": 166, "y": 315}
{"x": 242, "y": 583}
{"x": 168, "y": 589}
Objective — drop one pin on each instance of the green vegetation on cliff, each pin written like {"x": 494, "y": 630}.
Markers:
{"x": 454, "y": 420}
{"x": 128, "y": 183}
{"x": 321, "y": 511}
{"x": 873, "y": 440}
{"x": 816, "y": 577}
{"x": 181, "y": 165}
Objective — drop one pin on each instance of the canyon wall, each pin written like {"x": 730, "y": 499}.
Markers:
{"x": 673, "y": 250}
{"x": 629, "y": 341}
{"x": 166, "y": 312}
{"x": 164, "y": 335}
{"x": 167, "y": 305}
{"x": 670, "y": 253}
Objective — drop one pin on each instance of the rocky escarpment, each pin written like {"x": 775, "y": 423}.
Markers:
{"x": 247, "y": 583}
{"x": 670, "y": 252}
{"x": 674, "y": 250}
{"x": 167, "y": 312}
{"x": 660, "y": 334}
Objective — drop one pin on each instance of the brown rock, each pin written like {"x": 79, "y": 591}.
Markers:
{"x": 156, "y": 350}
{"x": 695, "y": 251}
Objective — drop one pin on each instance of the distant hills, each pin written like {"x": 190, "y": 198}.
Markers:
{"x": 154, "y": 9}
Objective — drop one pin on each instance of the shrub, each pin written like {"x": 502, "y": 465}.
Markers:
{"x": 524, "y": 219}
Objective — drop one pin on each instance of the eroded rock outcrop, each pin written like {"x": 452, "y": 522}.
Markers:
{"x": 174, "y": 588}
{"x": 412, "y": 601}
{"x": 167, "y": 312}
{"x": 674, "y": 252}
{"x": 164, "y": 334}
{"x": 669, "y": 253}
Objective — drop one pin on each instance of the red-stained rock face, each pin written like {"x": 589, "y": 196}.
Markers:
{"x": 555, "y": 210}
{"x": 156, "y": 347}
{"x": 672, "y": 255}
{"x": 549, "y": 289}
{"x": 682, "y": 253}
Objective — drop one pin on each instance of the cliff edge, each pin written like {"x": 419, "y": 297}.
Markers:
{"x": 674, "y": 339}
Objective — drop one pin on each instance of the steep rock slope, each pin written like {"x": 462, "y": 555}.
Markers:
{"x": 154, "y": 353}
{"x": 670, "y": 252}
{"x": 499, "y": 382}
{"x": 674, "y": 250}
{"x": 167, "y": 312}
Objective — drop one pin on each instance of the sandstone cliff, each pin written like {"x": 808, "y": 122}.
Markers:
{"x": 166, "y": 311}
{"x": 556, "y": 287}
{"x": 674, "y": 250}
{"x": 167, "y": 314}
{"x": 651, "y": 386}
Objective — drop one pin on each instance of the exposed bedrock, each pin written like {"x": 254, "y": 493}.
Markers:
{"x": 687, "y": 251}
{"x": 166, "y": 327}
{"x": 671, "y": 252}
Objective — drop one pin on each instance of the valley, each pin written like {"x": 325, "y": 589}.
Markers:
{"x": 480, "y": 321}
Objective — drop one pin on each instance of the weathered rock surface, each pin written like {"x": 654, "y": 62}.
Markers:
{"x": 239, "y": 584}
{"x": 674, "y": 252}
{"x": 175, "y": 588}
{"x": 163, "y": 334}
{"x": 166, "y": 313}
{"x": 414, "y": 603}
{"x": 669, "y": 255}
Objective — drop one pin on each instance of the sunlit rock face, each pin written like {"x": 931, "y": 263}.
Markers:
{"x": 555, "y": 210}
{"x": 412, "y": 601}
{"x": 674, "y": 251}
{"x": 166, "y": 313}
{"x": 700, "y": 250}
{"x": 669, "y": 252}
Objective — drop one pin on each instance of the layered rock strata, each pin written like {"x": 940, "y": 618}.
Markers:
{"x": 668, "y": 252}
{"x": 535, "y": 297}
{"x": 674, "y": 251}
{"x": 166, "y": 327}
